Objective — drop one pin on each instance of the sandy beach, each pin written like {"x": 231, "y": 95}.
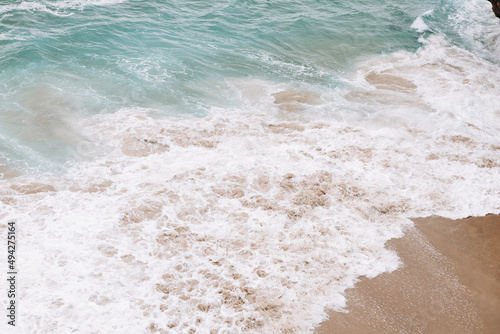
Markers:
{"x": 449, "y": 283}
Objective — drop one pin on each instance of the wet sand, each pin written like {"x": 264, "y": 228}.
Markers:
{"x": 449, "y": 283}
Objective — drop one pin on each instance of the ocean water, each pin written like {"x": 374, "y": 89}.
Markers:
{"x": 233, "y": 167}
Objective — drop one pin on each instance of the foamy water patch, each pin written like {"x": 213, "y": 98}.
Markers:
{"x": 476, "y": 23}
{"x": 419, "y": 24}
{"x": 255, "y": 219}
{"x": 240, "y": 221}
{"x": 440, "y": 88}
{"x": 83, "y": 3}
{"x": 32, "y": 7}
{"x": 54, "y": 7}
{"x": 12, "y": 37}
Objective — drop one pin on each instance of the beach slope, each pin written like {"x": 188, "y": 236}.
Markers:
{"x": 449, "y": 283}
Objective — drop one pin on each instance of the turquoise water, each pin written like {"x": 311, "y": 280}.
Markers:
{"x": 67, "y": 59}
{"x": 146, "y": 53}
{"x": 234, "y": 167}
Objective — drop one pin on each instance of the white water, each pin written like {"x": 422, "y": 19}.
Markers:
{"x": 256, "y": 218}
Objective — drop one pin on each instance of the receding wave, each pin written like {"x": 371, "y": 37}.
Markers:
{"x": 307, "y": 156}
{"x": 255, "y": 219}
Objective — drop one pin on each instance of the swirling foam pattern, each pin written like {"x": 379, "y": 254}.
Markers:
{"x": 233, "y": 167}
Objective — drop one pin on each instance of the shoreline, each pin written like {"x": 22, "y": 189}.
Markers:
{"x": 449, "y": 282}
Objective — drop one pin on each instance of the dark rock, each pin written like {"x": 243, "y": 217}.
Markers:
{"x": 496, "y": 7}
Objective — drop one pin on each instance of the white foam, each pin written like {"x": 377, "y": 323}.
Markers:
{"x": 11, "y": 37}
{"x": 477, "y": 25}
{"x": 53, "y": 7}
{"x": 255, "y": 219}
{"x": 447, "y": 85}
{"x": 32, "y": 6}
{"x": 419, "y": 25}
{"x": 152, "y": 69}
{"x": 80, "y": 4}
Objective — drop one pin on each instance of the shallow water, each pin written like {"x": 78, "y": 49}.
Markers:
{"x": 234, "y": 167}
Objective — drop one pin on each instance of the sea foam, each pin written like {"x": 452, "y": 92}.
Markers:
{"x": 255, "y": 218}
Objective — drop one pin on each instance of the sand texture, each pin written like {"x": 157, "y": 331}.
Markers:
{"x": 449, "y": 283}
